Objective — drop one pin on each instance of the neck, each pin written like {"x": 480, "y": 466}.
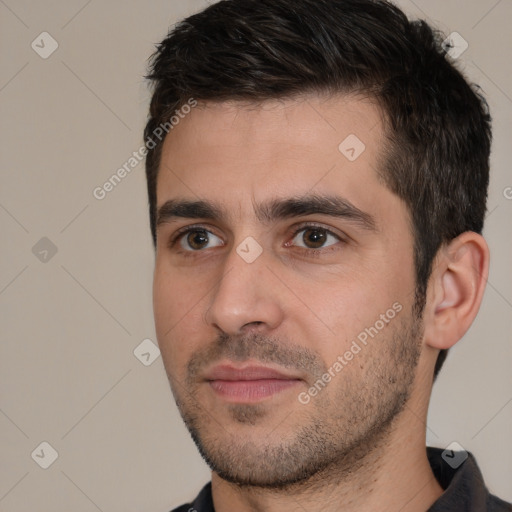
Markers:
{"x": 395, "y": 475}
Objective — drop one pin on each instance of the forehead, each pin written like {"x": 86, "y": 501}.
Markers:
{"x": 242, "y": 153}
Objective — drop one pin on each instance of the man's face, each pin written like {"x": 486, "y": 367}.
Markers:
{"x": 284, "y": 286}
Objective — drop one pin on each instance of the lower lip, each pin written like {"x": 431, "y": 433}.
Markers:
{"x": 250, "y": 390}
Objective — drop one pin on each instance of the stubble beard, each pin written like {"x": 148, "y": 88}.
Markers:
{"x": 346, "y": 426}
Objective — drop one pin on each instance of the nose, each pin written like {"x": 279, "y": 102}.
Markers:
{"x": 246, "y": 297}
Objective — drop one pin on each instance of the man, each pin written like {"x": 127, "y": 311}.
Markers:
{"x": 317, "y": 176}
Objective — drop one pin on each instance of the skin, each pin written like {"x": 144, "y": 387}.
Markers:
{"x": 360, "y": 440}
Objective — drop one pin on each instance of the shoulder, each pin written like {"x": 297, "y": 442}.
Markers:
{"x": 184, "y": 508}
{"x": 462, "y": 482}
{"x": 202, "y": 503}
{"x": 495, "y": 504}
{"x": 188, "y": 507}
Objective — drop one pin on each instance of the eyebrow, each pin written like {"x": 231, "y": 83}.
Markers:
{"x": 270, "y": 211}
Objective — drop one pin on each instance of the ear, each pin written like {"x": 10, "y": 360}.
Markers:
{"x": 455, "y": 290}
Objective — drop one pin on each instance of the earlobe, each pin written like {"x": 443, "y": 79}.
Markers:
{"x": 456, "y": 289}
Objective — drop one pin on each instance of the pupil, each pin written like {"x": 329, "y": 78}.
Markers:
{"x": 197, "y": 239}
{"x": 314, "y": 238}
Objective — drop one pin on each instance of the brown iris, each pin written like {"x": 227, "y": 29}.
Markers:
{"x": 314, "y": 237}
{"x": 197, "y": 239}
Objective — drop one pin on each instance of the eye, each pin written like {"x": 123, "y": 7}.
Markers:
{"x": 198, "y": 239}
{"x": 313, "y": 237}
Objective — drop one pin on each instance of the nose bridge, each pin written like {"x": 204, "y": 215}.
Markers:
{"x": 243, "y": 294}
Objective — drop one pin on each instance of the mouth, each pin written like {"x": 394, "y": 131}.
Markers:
{"x": 248, "y": 384}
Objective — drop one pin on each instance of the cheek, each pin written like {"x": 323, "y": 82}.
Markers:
{"x": 324, "y": 312}
{"x": 178, "y": 316}
{"x": 173, "y": 294}
{"x": 342, "y": 307}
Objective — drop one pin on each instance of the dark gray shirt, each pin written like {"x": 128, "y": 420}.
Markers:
{"x": 464, "y": 489}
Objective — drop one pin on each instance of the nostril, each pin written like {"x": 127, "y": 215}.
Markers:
{"x": 250, "y": 326}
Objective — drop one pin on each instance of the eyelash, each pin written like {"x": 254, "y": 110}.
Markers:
{"x": 303, "y": 227}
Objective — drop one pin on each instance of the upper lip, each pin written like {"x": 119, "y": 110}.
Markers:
{"x": 250, "y": 372}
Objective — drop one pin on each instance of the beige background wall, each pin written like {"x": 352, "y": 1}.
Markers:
{"x": 70, "y": 321}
